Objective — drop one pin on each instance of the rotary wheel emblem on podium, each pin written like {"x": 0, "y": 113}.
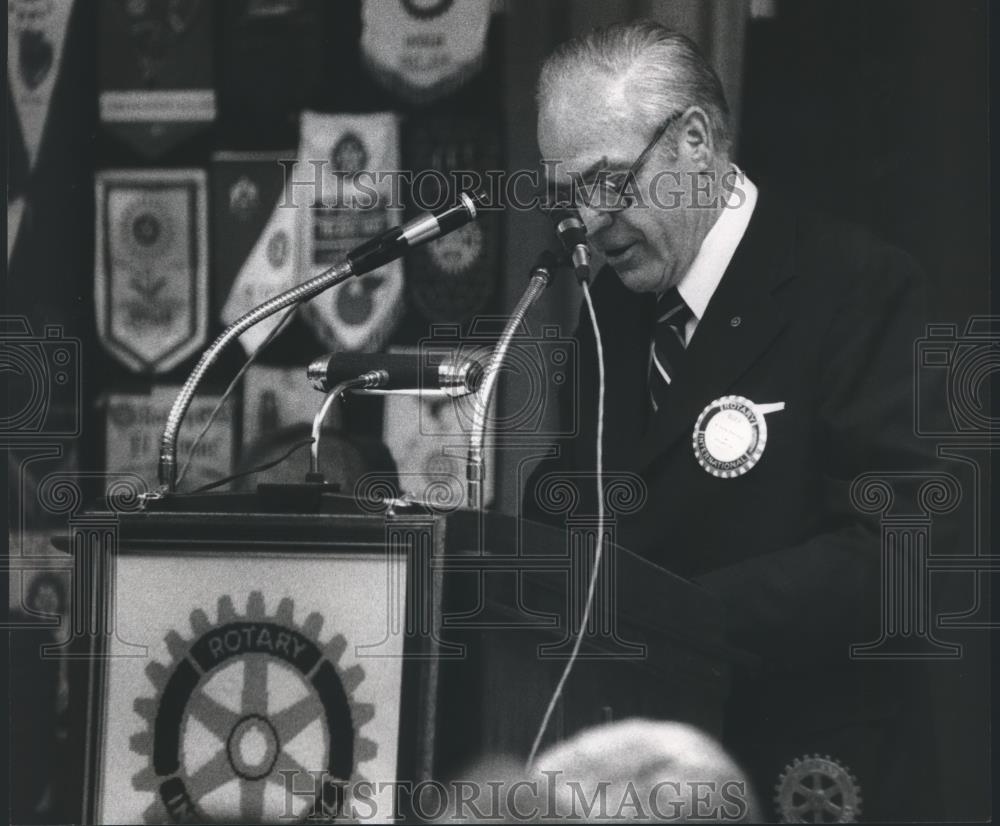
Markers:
{"x": 817, "y": 790}
{"x": 250, "y": 707}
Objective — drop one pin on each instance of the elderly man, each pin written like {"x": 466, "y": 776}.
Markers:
{"x": 758, "y": 360}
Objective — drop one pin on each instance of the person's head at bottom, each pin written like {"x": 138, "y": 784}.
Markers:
{"x": 643, "y": 770}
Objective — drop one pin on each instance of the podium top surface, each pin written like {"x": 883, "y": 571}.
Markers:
{"x": 283, "y": 521}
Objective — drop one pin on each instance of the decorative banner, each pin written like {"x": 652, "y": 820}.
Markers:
{"x": 428, "y": 438}
{"x": 151, "y": 283}
{"x": 134, "y": 424}
{"x": 271, "y": 62}
{"x": 343, "y": 203}
{"x": 155, "y": 71}
{"x": 275, "y": 398}
{"x": 255, "y": 242}
{"x": 452, "y": 278}
{"x": 15, "y": 211}
{"x": 423, "y": 49}
{"x": 36, "y": 32}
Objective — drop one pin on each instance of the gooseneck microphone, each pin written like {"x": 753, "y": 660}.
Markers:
{"x": 427, "y": 371}
{"x": 397, "y": 241}
{"x": 388, "y": 246}
{"x": 572, "y": 234}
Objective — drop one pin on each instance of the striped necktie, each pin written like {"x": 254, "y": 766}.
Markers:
{"x": 666, "y": 350}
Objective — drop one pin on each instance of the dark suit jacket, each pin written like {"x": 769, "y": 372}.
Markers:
{"x": 823, "y": 317}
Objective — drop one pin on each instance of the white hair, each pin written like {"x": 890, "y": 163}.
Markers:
{"x": 665, "y": 72}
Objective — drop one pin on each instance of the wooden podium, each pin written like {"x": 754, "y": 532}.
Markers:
{"x": 238, "y": 643}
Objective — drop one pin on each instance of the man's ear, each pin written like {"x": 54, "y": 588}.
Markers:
{"x": 694, "y": 139}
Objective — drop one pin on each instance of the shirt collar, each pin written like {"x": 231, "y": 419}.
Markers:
{"x": 703, "y": 276}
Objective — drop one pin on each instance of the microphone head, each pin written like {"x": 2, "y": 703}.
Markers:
{"x": 475, "y": 198}
{"x": 572, "y": 232}
{"x": 460, "y": 377}
{"x": 444, "y": 370}
{"x": 568, "y": 222}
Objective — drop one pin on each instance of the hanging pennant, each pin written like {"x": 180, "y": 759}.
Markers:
{"x": 36, "y": 32}
{"x": 155, "y": 71}
{"x": 423, "y": 49}
{"x": 345, "y": 196}
{"x": 453, "y": 277}
{"x": 151, "y": 283}
{"x": 255, "y": 240}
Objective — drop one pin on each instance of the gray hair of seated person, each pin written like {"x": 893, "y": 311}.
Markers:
{"x": 665, "y": 72}
{"x": 675, "y": 763}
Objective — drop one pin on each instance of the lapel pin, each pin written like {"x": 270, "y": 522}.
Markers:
{"x": 730, "y": 435}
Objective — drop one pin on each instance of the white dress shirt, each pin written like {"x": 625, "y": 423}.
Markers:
{"x": 703, "y": 276}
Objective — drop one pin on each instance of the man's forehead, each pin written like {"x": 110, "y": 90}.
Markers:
{"x": 589, "y": 86}
{"x": 586, "y": 120}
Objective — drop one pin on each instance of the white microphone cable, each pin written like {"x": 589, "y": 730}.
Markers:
{"x": 600, "y": 532}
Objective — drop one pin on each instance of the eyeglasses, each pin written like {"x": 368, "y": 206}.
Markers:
{"x": 613, "y": 190}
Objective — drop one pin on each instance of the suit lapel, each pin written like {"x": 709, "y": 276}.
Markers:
{"x": 739, "y": 325}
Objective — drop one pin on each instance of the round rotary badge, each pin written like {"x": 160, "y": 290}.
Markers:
{"x": 817, "y": 790}
{"x": 729, "y": 436}
{"x": 247, "y": 703}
